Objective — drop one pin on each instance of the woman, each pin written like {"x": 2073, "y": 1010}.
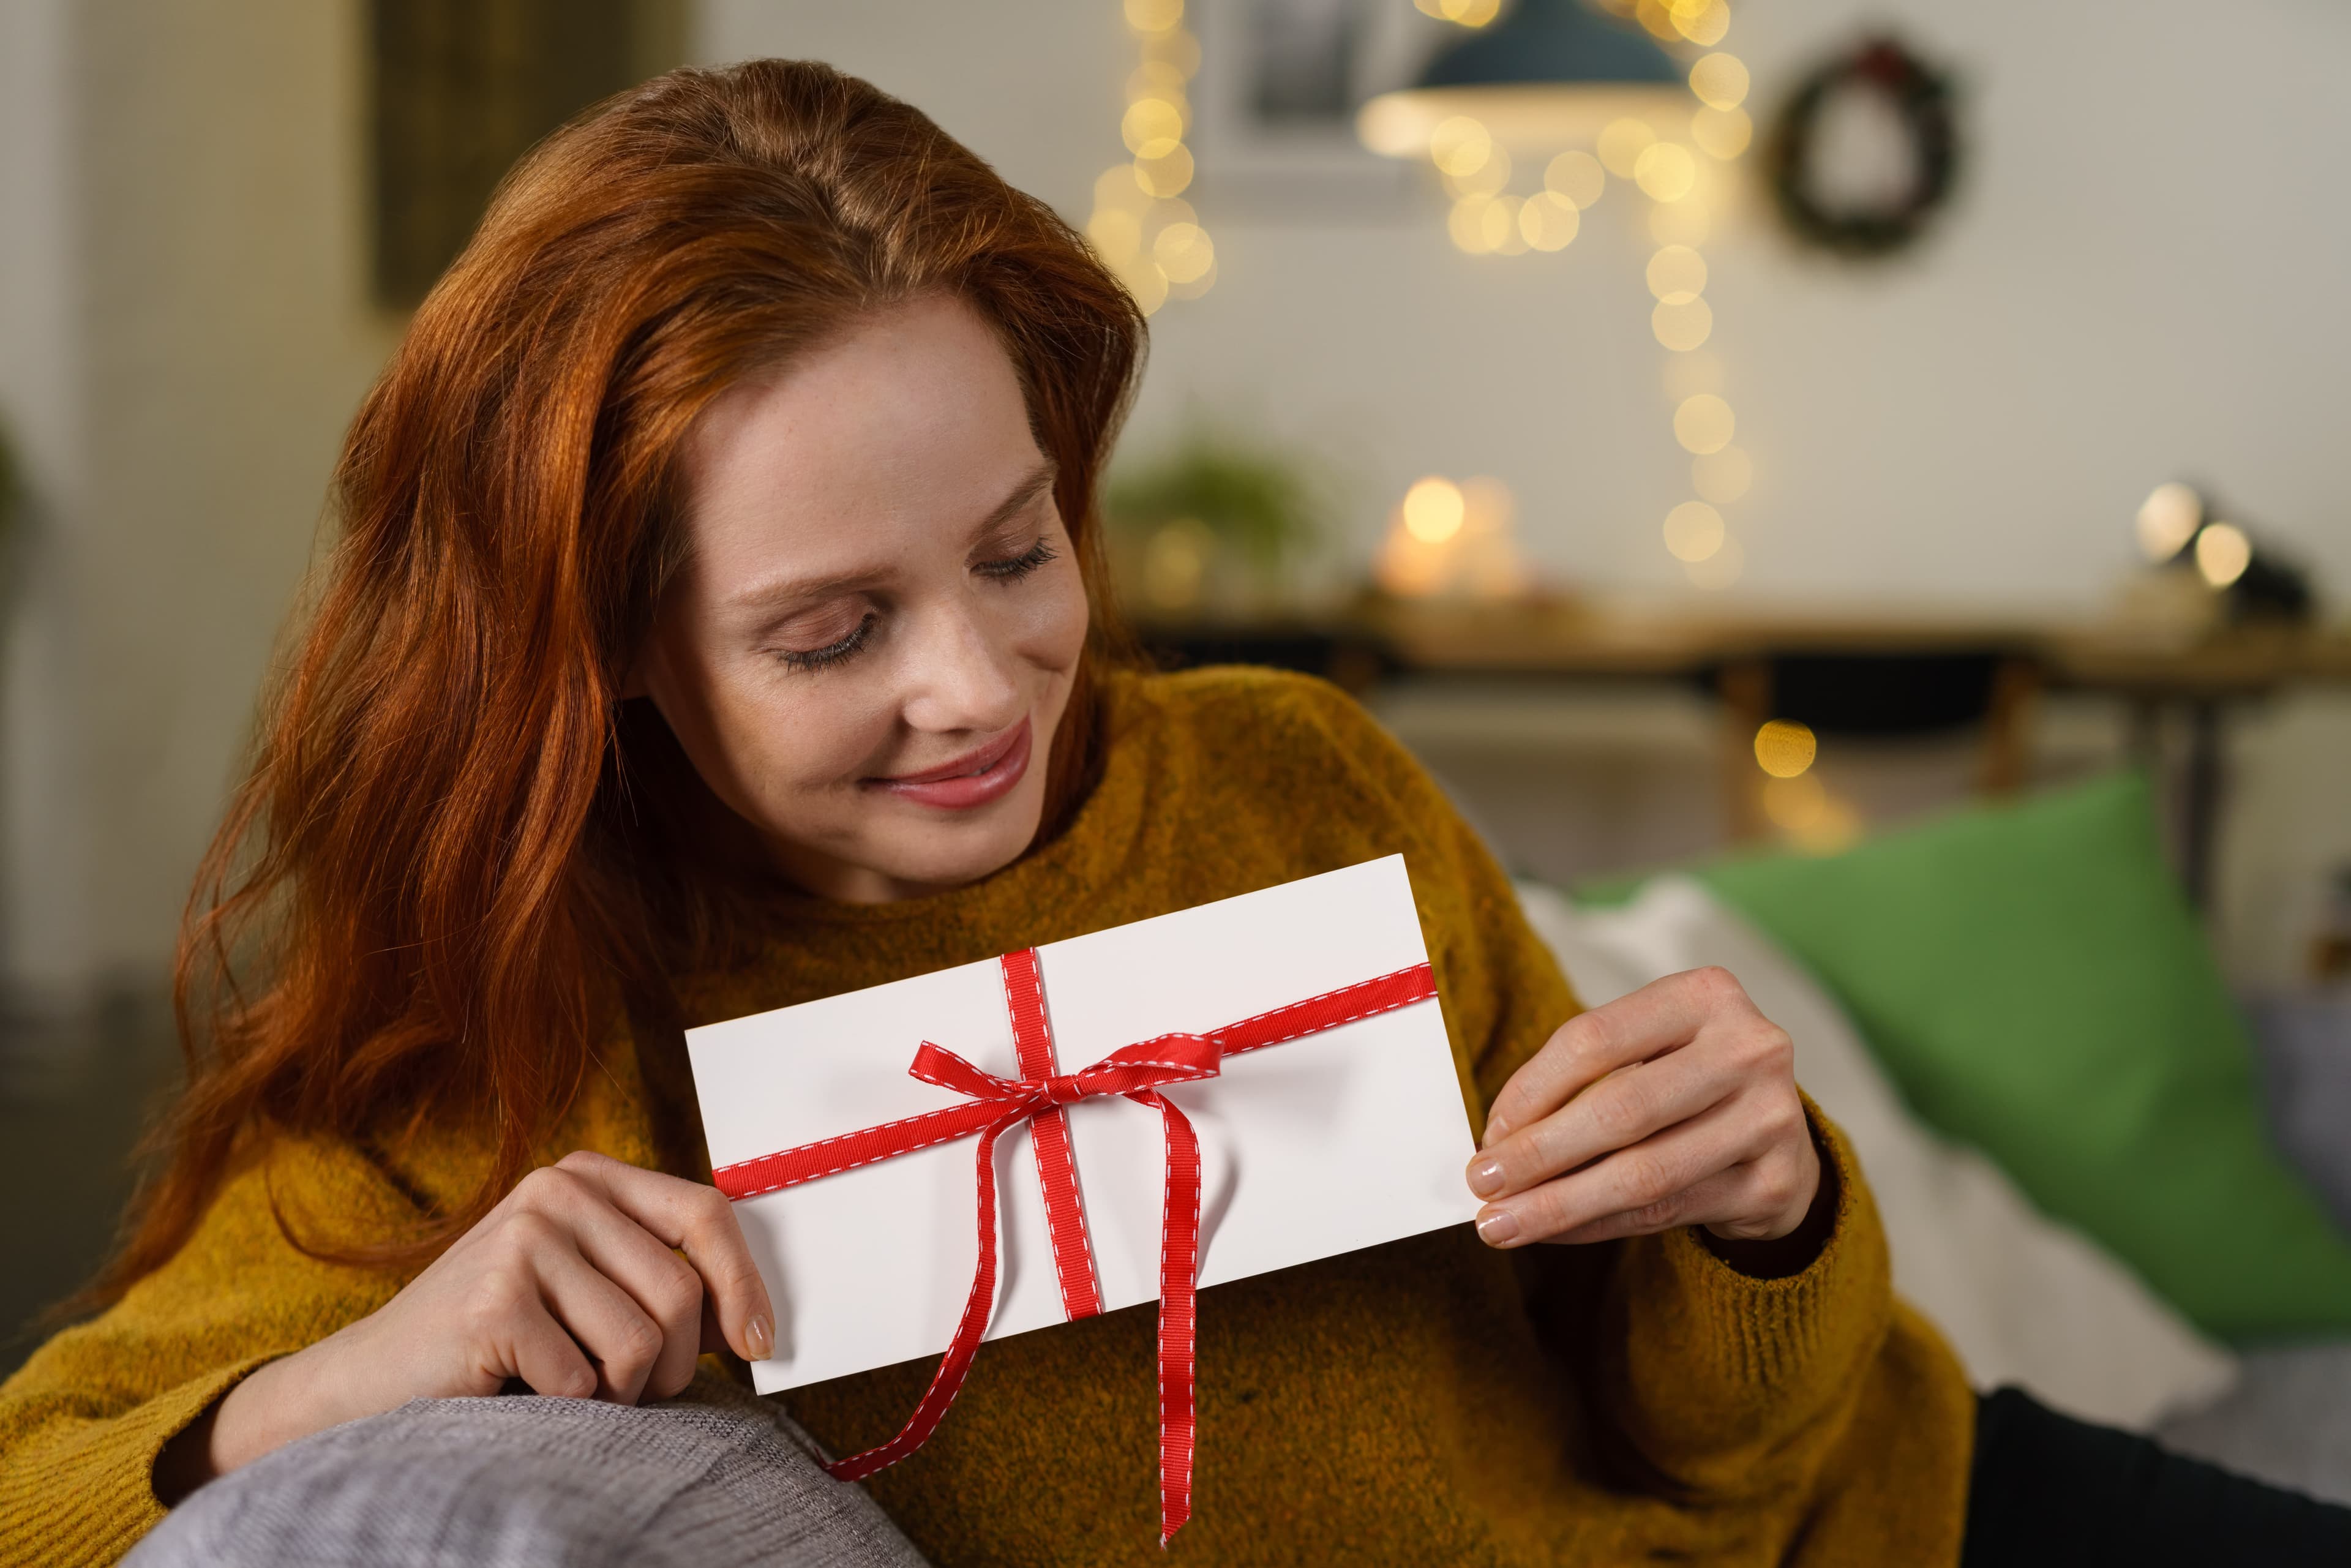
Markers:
{"x": 720, "y": 624}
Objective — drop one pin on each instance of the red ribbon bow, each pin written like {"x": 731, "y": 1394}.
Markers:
{"x": 996, "y": 1104}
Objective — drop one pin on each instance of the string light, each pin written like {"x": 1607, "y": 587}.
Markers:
{"x": 1575, "y": 177}
{"x": 1147, "y": 236}
{"x": 1784, "y": 748}
{"x": 2167, "y": 520}
{"x": 1434, "y": 510}
{"x": 2223, "y": 553}
{"x": 1694, "y": 531}
{"x": 1704, "y": 423}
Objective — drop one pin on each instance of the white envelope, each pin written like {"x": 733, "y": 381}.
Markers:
{"x": 1319, "y": 1145}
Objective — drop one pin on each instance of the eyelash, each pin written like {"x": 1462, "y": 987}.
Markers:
{"x": 1009, "y": 571}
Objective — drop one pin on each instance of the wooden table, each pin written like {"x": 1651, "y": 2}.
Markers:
{"x": 1743, "y": 658}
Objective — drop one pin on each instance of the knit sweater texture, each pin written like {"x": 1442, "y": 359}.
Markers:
{"x": 1423, "y": 1402}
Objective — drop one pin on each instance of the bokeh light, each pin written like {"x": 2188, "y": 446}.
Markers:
{"x": 1622, "y": 143}
{"x": 1682, "y": 325}
{"x": 1169, "y": 175}
{"x": 1688, "y": 373}
{"x": 1154, "y": 16}
{"x": 1722, "y": 476}
{"x": 1548, "y": 220}
{"x": 1676, "y": 274}
{"x": 2223, "y": 553}
{"x": 1720, "y": 81}
{"x": 1434, "y": 509}
{"x": 1460, "y": 145}
{"x": 1784, "y": 748}
{"x": 1665, "y": 172}
{"x": 1576, "y": 177}
{"x": 1704, "y": 423}
{"x": 1184, "y": 252}
{"x": 2168, "y": 520}
{"x": 1722, "y": 133}
{"x": 1484, "y": 225}
{"x": 1702, "y": 22}
{"x": 1719, "y": 571}
{"x": 1694, "y": 531}
{"x": 1488, "y": 178}
{"x": 1116, "y": 234}
{"x": 1468, "y": 13}
{"x": 1679, "y": 222}
{"x": 1152, "y": 128}
{"x": 1118, "y": 188}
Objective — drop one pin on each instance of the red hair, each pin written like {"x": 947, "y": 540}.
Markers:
{"x": 457, "y": 850}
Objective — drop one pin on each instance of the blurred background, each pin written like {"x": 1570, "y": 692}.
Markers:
{"x": 1695, "y": 425}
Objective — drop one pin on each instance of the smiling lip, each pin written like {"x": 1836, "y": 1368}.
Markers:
{"x": 973, "y": 779}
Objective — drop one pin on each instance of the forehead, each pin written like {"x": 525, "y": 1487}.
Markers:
{"x": 911, "y": 423}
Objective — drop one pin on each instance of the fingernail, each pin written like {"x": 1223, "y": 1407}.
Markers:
{"x": 760, "y": 1335}
{"x": 1486, "y": 1178}
{"x": 1498, "y": 1227}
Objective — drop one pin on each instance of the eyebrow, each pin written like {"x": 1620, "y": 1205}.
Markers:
{"x": 1035, "y": 483}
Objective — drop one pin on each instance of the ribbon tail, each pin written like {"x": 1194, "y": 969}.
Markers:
{"x": 948, "y": 1381}
{"x": 1179, "y": 1259}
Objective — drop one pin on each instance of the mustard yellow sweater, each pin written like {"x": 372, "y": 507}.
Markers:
{"x": 1425, "y": 1402}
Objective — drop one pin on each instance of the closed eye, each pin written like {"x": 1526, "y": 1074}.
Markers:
{"x": 831, "y": 653}
{"x": 1012, "y": 569}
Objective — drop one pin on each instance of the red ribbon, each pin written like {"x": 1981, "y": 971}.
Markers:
{"x": 995, "y": 1104}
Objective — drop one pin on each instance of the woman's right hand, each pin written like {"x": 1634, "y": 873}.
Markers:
{"x": 573, "y": 1284}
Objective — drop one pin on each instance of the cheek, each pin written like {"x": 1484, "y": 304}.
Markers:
{"x": 1056, "y": 631}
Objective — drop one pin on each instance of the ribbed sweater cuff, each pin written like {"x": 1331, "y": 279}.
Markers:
{"x": 1769, "y": 1332}
{"x": 87, "y": 1494}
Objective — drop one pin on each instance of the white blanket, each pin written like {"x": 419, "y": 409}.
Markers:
{"x": 2022, "y": 1298}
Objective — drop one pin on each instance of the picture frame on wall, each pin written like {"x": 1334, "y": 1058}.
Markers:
{"x": 1275, "y": 101}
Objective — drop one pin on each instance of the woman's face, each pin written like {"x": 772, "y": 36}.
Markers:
{"x": 871, "y": 642}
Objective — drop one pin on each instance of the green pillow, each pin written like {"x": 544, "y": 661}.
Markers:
{"x": 2035, "y": 982}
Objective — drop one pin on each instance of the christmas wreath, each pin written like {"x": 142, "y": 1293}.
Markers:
{"x": 1921, "y": 99}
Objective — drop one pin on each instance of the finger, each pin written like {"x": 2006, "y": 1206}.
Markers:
{"x": 1658, "y": 1018}
{"x": 1717, "y": 1194}
{"x": 665, "y": 1286}
{"x": 1616, "y": 1112}
{"x": 698, "y": 1221}
{"x": 542, "y": 1353}
{"x": 621, "y": 1342}
{"x": 1650, "y": 1172}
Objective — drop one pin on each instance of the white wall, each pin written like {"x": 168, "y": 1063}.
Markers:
{"x": 2142, "y": 279}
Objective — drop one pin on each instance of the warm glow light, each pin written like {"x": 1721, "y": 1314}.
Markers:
{"x": 1458, "y": 145}
{"x": 1434, "y": 509}
{"x": 1784, "y": 748}
{"x": 1682, "y": 325}
{"x": 1468, "y": 12}
{"x": 1688, "y": 374}
{"x": 1156, "y": 78}
{"x": 2168, "y": 520}
{"x": 1117, "y": 236}
{"x": 1146, "y": 283}
{"x": 1484, "y": 225}
{"x": 1153, "y": 128}
{"x": 1722, "y": 476}
{"x": 1721, "y": 133}
{"x": 1177, "y": 47}
{"x": 1576, "y": 178}
{"x": 1486, "y": 506}
{"x": 1814, "y": 820}
{"x": 1184, "y": 252}
{"x": 1694, "y": 531}
{"x": 1704, "y": 423}
{"x": 1677, "y": 274}
{"x": 1678, "y": 223}
{"x": 2223, "y": 553}
{"x": 1488, "y": 178}
{"x": 1720, "y": 81}
{"x": 1548, "y": 220}
{"x": 1703, "y": 24}
{"x": 1118, "y": 188}
{"x": 1665, "y": 172}
{"x": 1622, "y": 143}
{"x": 1154, "y": 16}
{"x": 1658, "y": 17}
{"x": 1165, "y": 176}
{"x": 1174, "y": 563}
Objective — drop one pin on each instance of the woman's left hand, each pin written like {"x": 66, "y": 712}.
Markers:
{"x": 1673, "y": 1106}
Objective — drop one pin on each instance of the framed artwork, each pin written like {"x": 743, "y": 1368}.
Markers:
{"x": 1276, "y": 98}
{"x": 458, "y": 89}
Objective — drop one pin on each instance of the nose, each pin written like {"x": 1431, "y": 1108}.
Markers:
{"x": 965, "y": 674}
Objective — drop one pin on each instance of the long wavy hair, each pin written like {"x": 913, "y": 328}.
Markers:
{"x": 457, "y": 848}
